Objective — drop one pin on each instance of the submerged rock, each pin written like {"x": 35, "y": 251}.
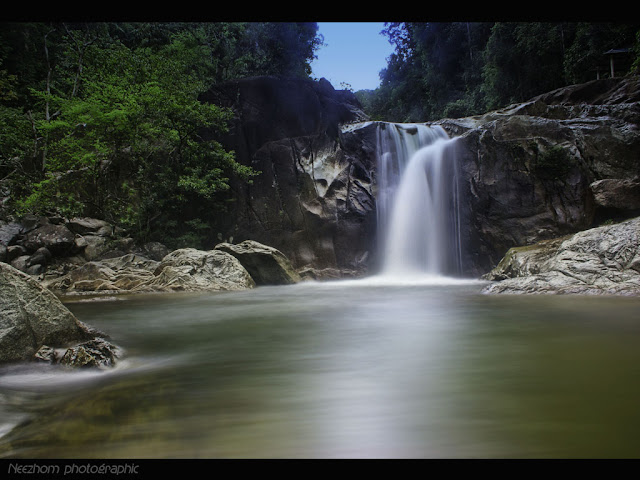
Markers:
{"x": 266, "y": 265}
{"x": 33, "y": 317}
{"x": 602, "y": 260}
{"x": 94, "y": 353}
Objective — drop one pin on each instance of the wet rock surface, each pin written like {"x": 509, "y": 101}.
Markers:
{"x": 34, "y": 321}
{"x": 602, "y": 260}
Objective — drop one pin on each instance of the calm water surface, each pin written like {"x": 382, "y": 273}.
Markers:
{"x": 344, "y": 369}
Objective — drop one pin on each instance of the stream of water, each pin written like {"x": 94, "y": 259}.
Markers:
{"x": 353, "y": 369}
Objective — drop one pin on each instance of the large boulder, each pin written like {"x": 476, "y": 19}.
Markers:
{"x": 186, "y": 269}
{"x": 617, "y": 193}
{"x": 58, "y": 239}
{"x": 32, "y": 318}
{"x": 266, "y": 265}
{"x": 602, "y": 260}
{"x": 189, "y": 269}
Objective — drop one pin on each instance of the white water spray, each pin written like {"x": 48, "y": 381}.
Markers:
{"x": 418, "y": 202}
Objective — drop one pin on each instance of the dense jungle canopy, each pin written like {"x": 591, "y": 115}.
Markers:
{"x": 104, "y": 119}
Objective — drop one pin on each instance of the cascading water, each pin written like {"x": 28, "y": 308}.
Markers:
{"x": 417, "y": 202}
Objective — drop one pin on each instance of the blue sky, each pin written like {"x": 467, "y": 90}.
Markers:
{"x": 354, "y": 54}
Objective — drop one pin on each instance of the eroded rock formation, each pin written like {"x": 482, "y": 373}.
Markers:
{"x": 601, "y": 260}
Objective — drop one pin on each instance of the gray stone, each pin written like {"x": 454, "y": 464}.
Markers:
{"x": 602, "y": 260}
{"x": 181, "y": 270}
{"x": 95, "y": 353}
{"x": 46, "y": 354}
{"x": 528, "y": 170}
{"x": 95, "y": 246}
{"x": 155, "y": 250}
{"x": 189, "y": 269}
{"x": 42, "y": 256}
{"x": 32, "y": 316}
{"x": 58, "y": 239}
{"x": 9, "y": 233}
{"x": 15, "y": 251}
{"x": 21, "y": 263}
{"x": 620, "y": 193}
{"x": 266, "y": 265}
{"x": 313, "y": 199}
{"x": 93, "y": 226}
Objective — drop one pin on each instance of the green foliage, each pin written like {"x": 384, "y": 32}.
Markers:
{"x": 554, "y": 163}
{"x": 105, "y": 120}
{"x": 465, "y": 68}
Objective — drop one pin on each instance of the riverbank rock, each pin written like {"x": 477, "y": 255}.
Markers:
{"x": 189, "y": 269}
{"x": 120, "y": 274}
{"x": 39, "y": 245}
{"x": 602, "y": 260}
{"x": 266, "y": 265}
{"x": 34, "y": 321}
{"x": 186, "y": 269}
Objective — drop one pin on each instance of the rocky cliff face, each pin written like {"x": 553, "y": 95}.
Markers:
{"x": 313, "y": 199}
{"x": 560, "y": 163}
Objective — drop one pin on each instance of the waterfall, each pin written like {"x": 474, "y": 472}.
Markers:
{"x": 417, "y": 201}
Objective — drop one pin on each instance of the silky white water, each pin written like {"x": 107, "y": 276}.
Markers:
{"x": 418, "y": 202}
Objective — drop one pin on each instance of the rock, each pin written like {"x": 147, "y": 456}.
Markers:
{"x": 42, "y": 256}
{"x": 31, "y": 222}
{"x": 602, "y": 260}
{"x": 266, "y": 265}
{"x": 93, "y": 226}
{"x": 3, "y": 253}
{"x": 35, "y": 269}
{"x": 120, "y": 274}
{"x": 313, "y": 199}
{"x": 96, "y": 353}
{"x": 620, "y": 193}
{"x": 21, "y": 263}
{"x": 95, "y": 246}
{"x": 58, "y": 239}
{"x": 155, "y": 250}
{"x": 15, "y": 251}
{"x": 9, "y": 233}
{"x": 528, "y": 170}
{"x": 32, "y": 316}
{"x": 189, "y": 269}
{"x": 182, "y": 270}
{"x": 526, "y": 260}
{"x": 46, "y": 354}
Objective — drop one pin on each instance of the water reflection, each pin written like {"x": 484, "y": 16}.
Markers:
{"x": 341, "y": 369}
